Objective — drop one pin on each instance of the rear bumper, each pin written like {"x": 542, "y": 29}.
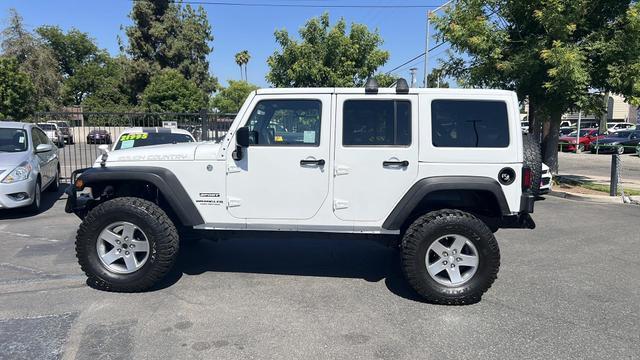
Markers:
{"x": 521, "y": 220}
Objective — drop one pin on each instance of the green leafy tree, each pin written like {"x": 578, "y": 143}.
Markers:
{"x": 72, "y": 50}
{"x": 436, "y": 79}
{"x": 166, "y": 34}
{"x": 170, "y": 91}
{"x": 16, "y": 91}
{"x": 326, "y": 56}
{"x": 231, "y": 98}
{"x": 34, "y": 59}
{"x": 385, "y": 80}
{"x": 554, "y": 53}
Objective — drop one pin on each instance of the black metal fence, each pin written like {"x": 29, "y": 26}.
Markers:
{"x": 78, "y": 143}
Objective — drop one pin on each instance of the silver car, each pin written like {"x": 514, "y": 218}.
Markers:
{"x": 29, "y": 164}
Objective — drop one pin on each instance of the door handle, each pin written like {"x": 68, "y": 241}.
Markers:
{"x": 312, "y": 162}
{"x": 403, "y": 163}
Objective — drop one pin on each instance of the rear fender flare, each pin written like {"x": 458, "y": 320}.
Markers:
{"x": 424, "y": 187}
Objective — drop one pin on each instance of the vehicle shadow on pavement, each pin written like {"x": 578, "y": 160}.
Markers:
{"x": 326, "y": 255}
{"x": 48, "y": 199}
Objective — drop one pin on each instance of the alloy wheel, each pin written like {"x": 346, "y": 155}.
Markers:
{"x": 122, "y": 247}
{"x": 452, "y": 260}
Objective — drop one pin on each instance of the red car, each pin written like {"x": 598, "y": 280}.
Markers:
{"x": 587, "y": 136}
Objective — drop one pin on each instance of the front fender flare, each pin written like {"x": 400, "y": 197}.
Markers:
{"x": 164, "y": 180}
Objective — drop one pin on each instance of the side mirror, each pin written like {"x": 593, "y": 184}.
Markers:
{"x": 242, "y": 141}
{"x": 242, "y": 137}
{"x": 42, "y": 148}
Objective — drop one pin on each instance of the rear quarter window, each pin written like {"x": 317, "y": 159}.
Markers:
{"x": 469, "y": 123}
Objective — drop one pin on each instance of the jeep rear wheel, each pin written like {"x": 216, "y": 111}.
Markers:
{"x": 450, "y": 257}
{"x": 126, "y": 244}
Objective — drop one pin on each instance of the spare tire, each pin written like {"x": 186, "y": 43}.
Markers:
{"x": 533, "y": 159}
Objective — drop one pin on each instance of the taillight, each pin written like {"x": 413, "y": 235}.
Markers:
{"x": 527, "y": 178}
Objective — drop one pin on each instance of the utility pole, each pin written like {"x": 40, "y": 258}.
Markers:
{"x": 426, "y": 51}
{"x": 414, "y": 81}
{"x": 426, "y": 45}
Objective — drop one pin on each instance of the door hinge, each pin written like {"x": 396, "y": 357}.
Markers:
{"x": 340, "y": 204}
{"x": 233, "y": 202}
{"x": 232, "y": 169}
{"x": 341, "y": 170}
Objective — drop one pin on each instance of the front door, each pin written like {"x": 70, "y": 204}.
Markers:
{"x": 284, "y": 173}
{"x": 376, "y": 154}
{"x": 45, "y": 159}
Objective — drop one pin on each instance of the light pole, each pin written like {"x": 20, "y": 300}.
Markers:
{"x": 413, "y": 71}
{"x": 426, "y": 43}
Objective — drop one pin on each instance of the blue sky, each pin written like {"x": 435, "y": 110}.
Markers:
{"x": 239, "y": 28}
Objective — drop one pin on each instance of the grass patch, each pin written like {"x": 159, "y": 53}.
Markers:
{"x": 605, "y": 188}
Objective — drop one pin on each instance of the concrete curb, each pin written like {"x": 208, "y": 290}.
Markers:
{"x": 603, "y": 199}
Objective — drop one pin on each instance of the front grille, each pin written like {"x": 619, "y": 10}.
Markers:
{"x": 545, "y": 181}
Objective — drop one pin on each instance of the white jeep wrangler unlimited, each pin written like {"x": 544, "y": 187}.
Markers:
{"x": 441, "y": 169}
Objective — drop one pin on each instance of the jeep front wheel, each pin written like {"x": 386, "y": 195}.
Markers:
{"x": 450, "y": 257}
{"x": 126, "y": 244}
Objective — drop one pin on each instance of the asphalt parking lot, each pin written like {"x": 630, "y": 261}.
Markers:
{"x": 568, "y": 289}
{"x": 598, "y": 165}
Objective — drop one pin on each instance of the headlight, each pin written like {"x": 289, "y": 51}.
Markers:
{"x": 20, "y": 173}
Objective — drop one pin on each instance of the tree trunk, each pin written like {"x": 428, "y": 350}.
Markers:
{"x": 245, "y": 73}
{"x": 534, "y": 121}
{"x": 240, "y": 72}
{"x": 605, "y": 115}
{"x": 550, "y": 134}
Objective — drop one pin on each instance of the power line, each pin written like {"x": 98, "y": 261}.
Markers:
{"x": 243, "y": 4}
{"x": 414, "y": 58}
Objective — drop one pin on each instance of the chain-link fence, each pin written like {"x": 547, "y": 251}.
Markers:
{"x": 80, "y": 134}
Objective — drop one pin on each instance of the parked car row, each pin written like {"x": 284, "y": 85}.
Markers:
{"x": 29, "y": 164}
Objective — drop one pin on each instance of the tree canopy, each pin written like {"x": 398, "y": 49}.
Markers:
{"x": 36, "y": 60}
{"x": 326, "y": 56}
{"x": 170, "y": 91}
{"x": 555, "y": 54}
{"x": 231, "y": 98}
{"x": 72, "y": 50}
{"x": 166, "y": 34}
{"x": 16, "y": 91}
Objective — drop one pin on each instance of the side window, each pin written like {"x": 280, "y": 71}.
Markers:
{"x": 36, "y": 138}
{"x": 286, "y": 123}
{"x": 376, "y": 123}
{"x": 469, "y": 123}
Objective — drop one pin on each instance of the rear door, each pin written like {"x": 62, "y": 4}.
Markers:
{"x": 376, "y": 154}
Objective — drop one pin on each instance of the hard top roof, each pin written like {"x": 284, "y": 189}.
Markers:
{"x": 381, "y": 90}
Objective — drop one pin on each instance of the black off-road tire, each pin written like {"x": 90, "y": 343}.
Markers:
{"x": 161, "y": 233}
{"x": 429, "y": 228}
{"x": 533, "y": 159}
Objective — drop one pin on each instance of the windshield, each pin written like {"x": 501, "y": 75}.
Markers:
{"x": 582, "y": 133}
{"x": 47, "y": 127}
{"x": 621, "y": 134}
{"x": 13, "y": 140}
{"x": 127, "y": 141}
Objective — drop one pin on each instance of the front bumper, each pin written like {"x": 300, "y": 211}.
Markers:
{"x": 25, "y": 186}
{"x": 567, "y": 147}
{"x": 76, "y": 203}
{"x": 605, "y": 149}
